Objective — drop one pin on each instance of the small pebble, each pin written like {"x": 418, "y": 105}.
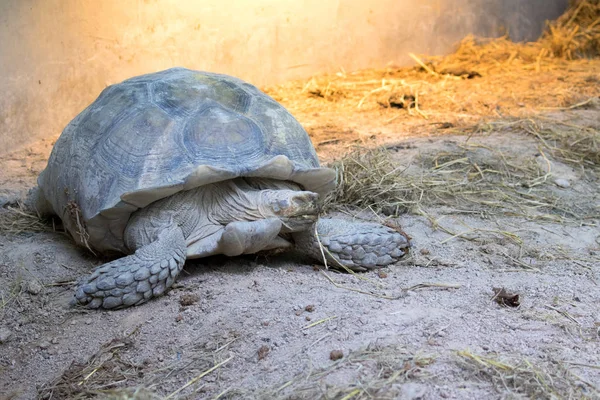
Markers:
{"x": 563, "y": 183}
{"x": 5, "y": 335}
{"x": 336, "y": 355}
{"x": 88, "y": 321}
{"x": 188, "y": 299}
{"x": 44, "y": 344}
{"x": 34, "y": 287}
{"x": 263, "y": 351}
{"x": 425, "y": 252}
{"x": 309, "y": 308}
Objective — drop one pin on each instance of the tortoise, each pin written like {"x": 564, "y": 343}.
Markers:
{"x": 181, "y": 164}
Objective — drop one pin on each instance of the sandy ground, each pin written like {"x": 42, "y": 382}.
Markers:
{"x": 256, "y": 327}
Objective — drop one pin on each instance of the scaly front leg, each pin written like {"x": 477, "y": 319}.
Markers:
{"x": 135, "y": 279}
{"x": 356, "y": 245}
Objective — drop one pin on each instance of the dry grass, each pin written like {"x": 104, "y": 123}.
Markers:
{"x": 112, "y": 374}
{"x": 482, "y": 79}
{"x": 18, "y": 219}
{"x": 469, "y": 177}
{"x": 100, "y": 377}
{"x": 521, "y": 377}
{"x": 576, "y": 34}
{"x": 577, "y": 145}
{"x": 371, "y": 373}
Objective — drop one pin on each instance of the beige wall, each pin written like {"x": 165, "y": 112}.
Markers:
{"x": 57, "y": 55}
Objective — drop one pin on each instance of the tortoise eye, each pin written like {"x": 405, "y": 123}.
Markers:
{"x": 283, "y": 204}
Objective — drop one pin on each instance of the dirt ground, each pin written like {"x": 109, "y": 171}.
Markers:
{"x": 429, "y": 327}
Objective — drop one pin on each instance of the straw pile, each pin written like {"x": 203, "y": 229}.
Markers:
{"x": 576, "y": 34}
{"x": 469, "y": 176}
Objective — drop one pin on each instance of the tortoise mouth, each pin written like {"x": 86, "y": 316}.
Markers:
{"x": 298, "y": 223}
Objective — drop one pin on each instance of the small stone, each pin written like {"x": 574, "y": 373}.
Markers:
{"x": 265, "y": 323}
{"x": 161, "y": 359}
{"x": 44, "y": 344}
{"x": 307, "y": 318}
{"x": 425, "y": 252}
{"x": 336, "y": 355}
{"x": 179, "y": 318}
{"x": 188, "y": 299}
{"x": 34, "y": 287}
{"x": 563, "y": 183}
{"x": 382, "y": 274}
{"x": 263, "y": 351}
{"x": 5, "y": 335}
{"x": 309, "y": 308}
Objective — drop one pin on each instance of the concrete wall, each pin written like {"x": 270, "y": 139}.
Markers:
{"x": 57, "y": 55}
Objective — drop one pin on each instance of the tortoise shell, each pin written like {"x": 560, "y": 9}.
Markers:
{"x": 158, "y": 134}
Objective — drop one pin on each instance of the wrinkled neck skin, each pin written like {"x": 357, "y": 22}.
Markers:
{"x": 203, "y": 211}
